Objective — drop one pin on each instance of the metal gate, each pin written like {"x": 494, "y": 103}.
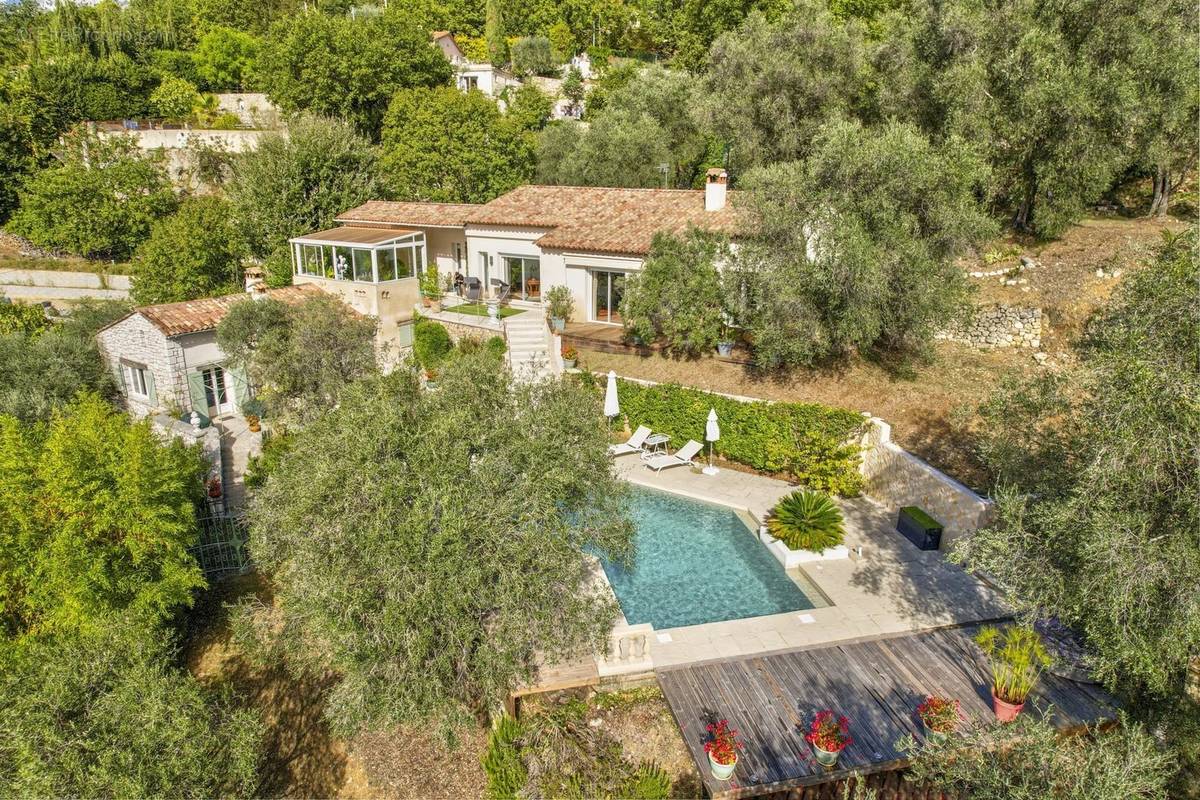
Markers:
{"x": 221, "y": 549}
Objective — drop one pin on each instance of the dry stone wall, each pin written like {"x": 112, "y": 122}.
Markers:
{"x": 897, "y": 478}
{"x": 999, "y": 326}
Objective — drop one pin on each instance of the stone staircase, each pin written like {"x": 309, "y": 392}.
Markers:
{"x": 529, "y": 342}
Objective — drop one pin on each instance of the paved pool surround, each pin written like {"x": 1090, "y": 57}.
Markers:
{"x": 886, "y": 586}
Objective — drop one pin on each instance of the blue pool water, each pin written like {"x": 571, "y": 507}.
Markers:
{"x": 698, "y": 562}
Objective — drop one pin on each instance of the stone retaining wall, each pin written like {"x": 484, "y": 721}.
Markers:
{"x": 63, "y": 279}
{"x": 464, "y": 326}
{"x": 897, "y": 478}
{"x": 999, "y": 326}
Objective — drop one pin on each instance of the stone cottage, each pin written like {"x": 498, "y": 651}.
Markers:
{"x": 165, "y": 357}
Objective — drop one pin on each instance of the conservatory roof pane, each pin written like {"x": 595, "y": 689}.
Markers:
{"x": 348, "y": 234}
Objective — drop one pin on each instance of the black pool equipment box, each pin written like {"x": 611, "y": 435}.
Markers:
{"x": 919, "y": 528}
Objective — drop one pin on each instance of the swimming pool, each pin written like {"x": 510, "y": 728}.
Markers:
{"x": 699, "y": 562}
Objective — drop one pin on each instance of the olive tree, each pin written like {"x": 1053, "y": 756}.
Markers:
{"x": 429, "y": 547}
{"x": 1097, "y": 503}
{"x": 1031, "y": 760}
{"x": 854, "y": 248}
{"x": 677, "y": 296}
{"x": 300, "y": 356}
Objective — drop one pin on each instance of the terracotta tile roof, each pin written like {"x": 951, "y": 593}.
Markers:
{"x": 194, "y": 316}
{"x": 385, "y": 212}
{"x": 603, "y": 219}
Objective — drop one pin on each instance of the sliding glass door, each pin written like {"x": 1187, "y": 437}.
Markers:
{"x": 524, "y": 276}
{"x": 607, "y": 290}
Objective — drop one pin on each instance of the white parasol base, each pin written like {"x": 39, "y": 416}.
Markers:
{"x": 710, "y": 470}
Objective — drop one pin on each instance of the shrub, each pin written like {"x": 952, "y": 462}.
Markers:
{"x": 27, "y": 320}
{"x": 431, "y": 343}
{"x": 532, "y": 55}
{"x": 807, "y": 441}
{"x": 506, "y": 773}
{"x": 677, "y": 295}
{"x": 807, "y": 521}
{"x": 496, "y": 346}
{"x": 560, "y": 304}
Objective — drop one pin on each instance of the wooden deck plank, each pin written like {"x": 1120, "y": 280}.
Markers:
{"x": 876, "y": 683}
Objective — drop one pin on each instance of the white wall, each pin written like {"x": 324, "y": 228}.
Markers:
{"x": 578, "y": 268}
{"x": 200, "y": 349}
{"x": 499, "y": 242}
{"x": 557, "y": 267}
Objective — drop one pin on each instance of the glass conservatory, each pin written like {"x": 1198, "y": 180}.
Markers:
{"x": 368, "y": 255}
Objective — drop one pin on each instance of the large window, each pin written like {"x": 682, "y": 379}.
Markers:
{"x": 314, "y": 260}
{"x": 607, "y": 290}
{"x": 525, "y": 276}
{"x": 344, "y": 262}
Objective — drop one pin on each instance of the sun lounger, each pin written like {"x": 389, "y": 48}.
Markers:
{"x": 681, "y": 457}
{"x": 634, "y": 444}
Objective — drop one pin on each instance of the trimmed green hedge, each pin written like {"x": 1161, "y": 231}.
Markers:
{"x": 806, "y": 441}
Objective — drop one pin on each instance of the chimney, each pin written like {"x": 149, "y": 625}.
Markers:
{"x": 714, "y": 189}
{"x": 254, "y": 279}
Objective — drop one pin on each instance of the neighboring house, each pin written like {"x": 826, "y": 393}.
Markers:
{"x": 166, "y": 356}
{"x": 485, "y": 77}
{"x": 532, "y": 238}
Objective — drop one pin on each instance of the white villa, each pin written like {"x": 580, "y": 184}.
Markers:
{"x": 513, "y": 248}
{"x": 523, "y": 242}
{"x": 485, "y": 77}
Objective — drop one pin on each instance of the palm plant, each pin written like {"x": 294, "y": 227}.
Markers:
{"x": 807, "y": 521}
{"x": 1017, "y": 657}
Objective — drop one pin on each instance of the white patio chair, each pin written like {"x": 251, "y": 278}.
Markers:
{"x": 634, "y": 444}
{"x": 681, "y": 457}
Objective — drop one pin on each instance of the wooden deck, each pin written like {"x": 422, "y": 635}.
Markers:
{"x": 611, "y": 339}
{"x": 877, "y": 684}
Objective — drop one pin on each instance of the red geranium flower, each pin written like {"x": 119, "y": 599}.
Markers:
{"x": 722, "y": 742}
{"x": 829, "y": 734}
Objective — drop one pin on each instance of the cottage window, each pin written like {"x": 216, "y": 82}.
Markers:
{"x": 135, "y": 381}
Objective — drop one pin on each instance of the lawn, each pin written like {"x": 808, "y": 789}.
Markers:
{"x": 480, "y": 310}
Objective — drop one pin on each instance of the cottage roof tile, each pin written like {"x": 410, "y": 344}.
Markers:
{"x": 194, "y": 316}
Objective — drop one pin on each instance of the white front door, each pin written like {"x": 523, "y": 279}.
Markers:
{"x": 218, "y": 391}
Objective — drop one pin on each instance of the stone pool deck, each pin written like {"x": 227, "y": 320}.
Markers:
{"x": 892, "y": 587}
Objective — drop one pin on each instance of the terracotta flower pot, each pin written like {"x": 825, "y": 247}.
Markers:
{"x": 826, "y": 758}
{"x": 1005, "y": 711}
{"x": 722, "y": 772}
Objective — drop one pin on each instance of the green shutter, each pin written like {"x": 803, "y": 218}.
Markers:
{"x": 151, "y": 394}
{"x": 241, "y": 386}
{"x": 118, "y": 372}
{"x": 195, "y": 381}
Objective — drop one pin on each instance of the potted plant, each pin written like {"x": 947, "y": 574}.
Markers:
{"x": 253, "y": 423}
{"x": 431, "y": 376}
{"x": 570, "y": 356}
{"x": 1018, "y": 658}
{"x": 940, "y": 716}
{"x": 807, "y": 521}
{"x": 722, "y": 747}
{"x": 431, "y": 288}
{"x": 725, "y": 342}
{"x": 214, "y": 488}
{"x": 829, "y": 736}
{"x": 559, "y": 306}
